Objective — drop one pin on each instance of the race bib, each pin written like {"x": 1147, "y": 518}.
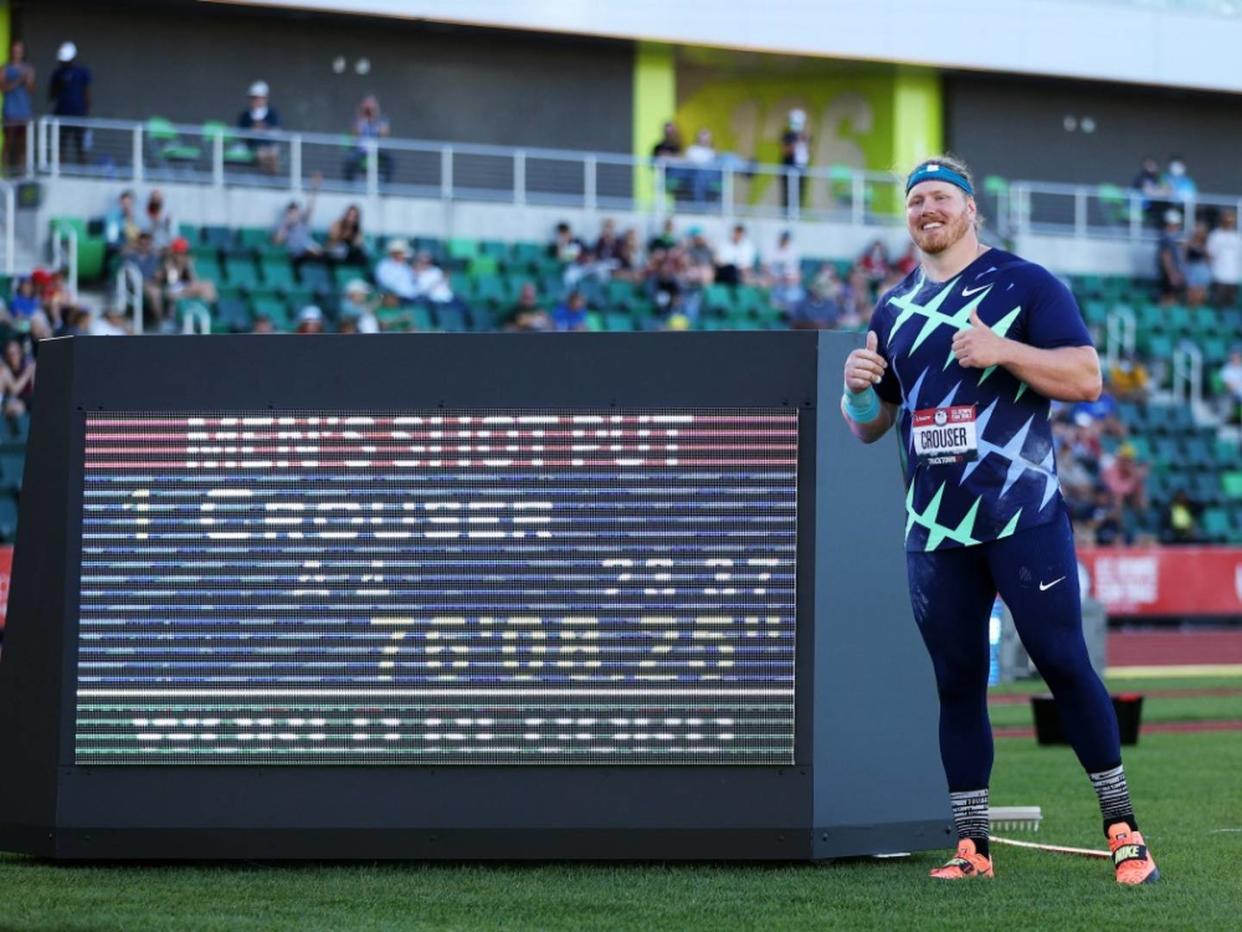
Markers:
{"x": 945, "y": 435}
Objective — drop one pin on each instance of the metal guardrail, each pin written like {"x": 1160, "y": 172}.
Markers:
{"x": 214, "y": 154}
{"x": 8, "y": 197}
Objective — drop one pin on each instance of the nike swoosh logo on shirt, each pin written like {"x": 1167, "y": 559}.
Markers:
{"x": 1044, "y": 587}
{"x": 967, "y": 292}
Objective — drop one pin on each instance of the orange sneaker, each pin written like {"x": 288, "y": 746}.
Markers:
{"x": 1131, "y": 859}
{"x": 968, "y": 863}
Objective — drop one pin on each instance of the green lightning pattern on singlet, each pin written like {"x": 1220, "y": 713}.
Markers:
{"x": 938, "y": 533}
{"x": 933, "y": 317}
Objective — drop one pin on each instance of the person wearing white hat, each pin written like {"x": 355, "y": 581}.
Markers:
{"x": 310, "y": 320}
{"x": 796, "y": 157}
{"x": 394, "y": 275}
{"x": 358, "y": 306}
{"x": 260, "y": 118}
{"x": 69, "y": 89}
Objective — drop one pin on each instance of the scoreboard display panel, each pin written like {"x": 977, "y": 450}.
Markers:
{"x": 466, "y": 587}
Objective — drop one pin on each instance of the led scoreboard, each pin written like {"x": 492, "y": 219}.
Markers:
{"x": 459, "y": 587}
{"x": 460, "y": 596}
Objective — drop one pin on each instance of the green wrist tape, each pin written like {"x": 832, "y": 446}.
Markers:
{"x": 862, "y": 407}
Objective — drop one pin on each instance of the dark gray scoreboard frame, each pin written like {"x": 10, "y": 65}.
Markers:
{"x": 866, "y": 777}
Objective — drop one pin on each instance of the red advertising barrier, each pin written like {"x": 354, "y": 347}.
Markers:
{"x": 6, "y": 566}
{"x": 1165, "y": 580}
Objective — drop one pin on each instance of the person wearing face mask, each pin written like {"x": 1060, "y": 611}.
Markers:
{"x": 258, "y": 118}
{"x": 796, "y": 157}
{"x": 370, "y": 126}
{"x": 1179, "y": 183}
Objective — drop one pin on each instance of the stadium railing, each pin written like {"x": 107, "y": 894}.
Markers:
{"x": 212, "y": 153}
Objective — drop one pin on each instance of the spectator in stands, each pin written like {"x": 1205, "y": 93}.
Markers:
{"x": 796, "y": 157}
{"x": 294, "y": 230}
{"x": 1128, "y": 378}
{"x": 358, "y": 307}
{"x": 24, "y": 303}
{"x": 609, "y": 244}
{"x": 345, "y": 242}
{"x": 823, "y": 306}
{"x": 1107, "y": 521}
{"x": 143, "y": 257}
{"x": 787, "y": 292}
{"x": 1180, "y": 524}
{"x": 370, "y": 127}
{"x": 873, "y": 263}
{"x": 666, "y": 238}
{"x": 158, "y": 222}
{"x": 1179, "y": 184}
{"x": 259, "y": 119}
{"x": 17, "y": 379}
{"x": 735, "y": 259}
{"x": 784, "y": 258}
{"x": 1171, "y": 260}
{"x": 667, "y": 283}
{"x": 1150, "y": 185}
{"x": 1125, "y": 478}
{"x": 528, "y": 314}
{"x": 629, "y": 258}
{"x": 120, "y": 225}
{"x": 395, "y": 276}
{"x": 859, "y": 299}
{"x": 585, "y": 268}
{"x": 77, "y": 322}
{"x": 310, "y": 320}
{"x": 262, "y": 323}
{"x": 571, "y": 313}
{"x": 565, "y": 247}
{"x": 1198, "y": 269}
{"x": 111, "y": 324}
{"x": 1231, "y": 377}
{"x": 179, "y": 279}
{"x": 669, "y": 145}
{"x": 17, "y": 81}
{"x": 1224, "y": 248}
{"x": 430, "y": 282}
{"x": 702, "y": 157}
{"x": 69, "y": 89}
{"x": 908, "y": 262}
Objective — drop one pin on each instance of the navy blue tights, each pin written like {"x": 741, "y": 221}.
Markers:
{"x": 1036, "y": 573}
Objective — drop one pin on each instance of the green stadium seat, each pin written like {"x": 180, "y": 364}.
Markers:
{"x": 464, "y": 249}
{"x": 594, "y": 321}
{"x": 451, "y": 319}
{"x": 1231, "y": 484}
{"x": 719, "y": 299}
{"x": 273, "y": 309}
{"x": 277, "y": 272}
{"x": 344, "y": 274}
{"x": 483, "y": 266}
{"x": 315, "y": 275}
{"x": 1216, "y": 525}
{"x": 232, "y": 316}
{"x": 167, "y": 142}
{"x": 218, "y": 236}
{"x": 236, "y": 152}
{"x": 619, "y": 322}
{"x": 241, "y": 271}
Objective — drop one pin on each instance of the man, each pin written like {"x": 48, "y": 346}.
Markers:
{"x": 17, "y": 83}
{"x": 259, "y": 118}
{"x": 735, "y": 260}
{"x": 964, "y": 355}
{"x": 1224, "y": 247}
{"x": 1171, "y": 260}
{"x": 70, "y": 90}
{"x": 796, "y": 157}
{"x": 395, "y": 276}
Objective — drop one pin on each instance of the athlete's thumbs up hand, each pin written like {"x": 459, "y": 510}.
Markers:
{"x": 978, "y": 346}
{"x": 865, "y": 366}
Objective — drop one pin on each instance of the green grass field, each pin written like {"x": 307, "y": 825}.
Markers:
{"x": 1186, "y": 786}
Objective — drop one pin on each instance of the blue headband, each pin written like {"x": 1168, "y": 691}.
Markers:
{"x": 936, "y": 171}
